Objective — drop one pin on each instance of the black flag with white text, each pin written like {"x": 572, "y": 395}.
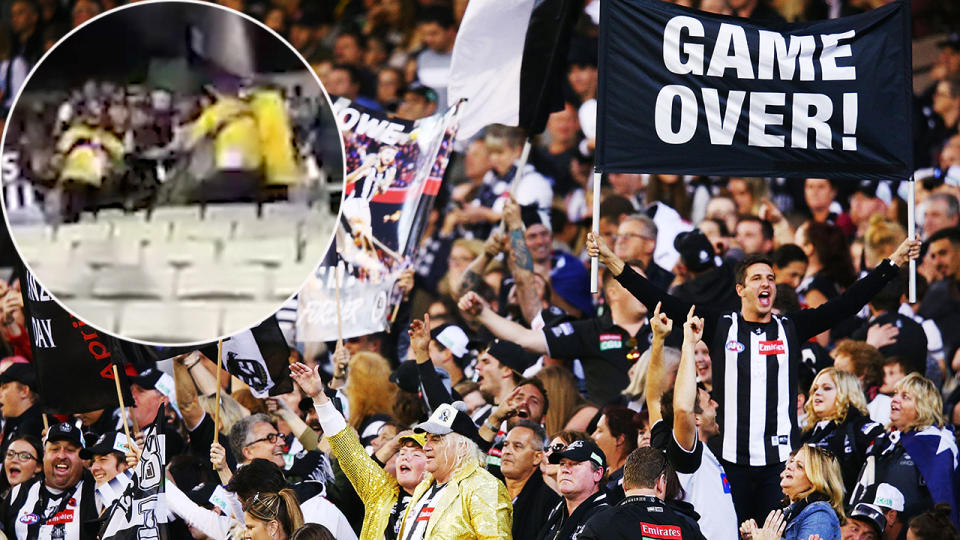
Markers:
{"x": 687, "y": 92}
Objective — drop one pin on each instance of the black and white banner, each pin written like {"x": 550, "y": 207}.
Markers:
{"x": 141, "y": 512}
{"x": 259, "y": 357}
{"x": 687, "y": 92}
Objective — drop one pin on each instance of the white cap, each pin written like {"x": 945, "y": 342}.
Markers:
{"x": 889, "y": 497}
{"x": 455, "y": 339}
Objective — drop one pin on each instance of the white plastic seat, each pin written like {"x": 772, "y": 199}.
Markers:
{"x": 62, "y": 280}
{"x": 221, "y": 282}
{"x": 182, "y": 253}
{"x": 175, "y": 213}
{"x": 103, "y": 315}
{"x": 201, "y": 230}
{"x": 230, "y": 212}
{"x": 112, "y": 252}
{"x": 132, "y": 282}
{"x": 265, "y": 251}
{"x": 171, "y": 322}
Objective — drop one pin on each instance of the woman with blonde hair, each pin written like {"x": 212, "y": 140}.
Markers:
{"x": 272, "y": 516}
{"x": 880, "y": 239}
{"x": 368, "y": 388}
{"x": 569, "y": 410}
{"x": 813, "y": 489}
{"x": 916, "y": 454}
{"x": 838, "y": 421}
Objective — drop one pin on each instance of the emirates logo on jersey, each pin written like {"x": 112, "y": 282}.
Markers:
{"x": 772, "y": 347}
{"x": 660, "y": 531}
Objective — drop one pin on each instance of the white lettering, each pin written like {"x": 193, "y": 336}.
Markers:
{"x": 829, "y": 70}
{"x": 663, "y": 116}
{"x": 722, "y": 129}
{"x": 42, "y": 333}
{"x": 722, "y": 60}
{"x": 759, "y": 119}
{"x": 773, "y": 48}
{"x": 672, "y": 47}
{"x": 804, "y": 120}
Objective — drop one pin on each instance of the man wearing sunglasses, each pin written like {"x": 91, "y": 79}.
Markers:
{"x": 582, "y": 468}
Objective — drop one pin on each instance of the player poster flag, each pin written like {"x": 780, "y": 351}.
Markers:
{"x": 687, "y": 92}
{"x": 260, "y": 357}
{"x": 141, "y": 512}
{"x": 394, "y": 171}
{"x": 74, "y": 361}
{"x": 509, "y": 62}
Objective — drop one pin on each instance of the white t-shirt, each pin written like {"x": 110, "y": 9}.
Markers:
{"x": 709, "y": 493}
{"x": 879, "y": 409}
{"x": 320, "y": 510}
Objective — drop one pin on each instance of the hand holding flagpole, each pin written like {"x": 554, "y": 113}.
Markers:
{"x": 123, "y": 412}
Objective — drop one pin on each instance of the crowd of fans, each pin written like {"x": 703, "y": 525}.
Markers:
{"x": 752, "y": 366}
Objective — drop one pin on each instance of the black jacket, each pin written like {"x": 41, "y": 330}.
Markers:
{"x": 848, "y": 441}
{"x": 560, "y": 526}
{"x": 641, "y": 517}
{"x": 532, "y": 506}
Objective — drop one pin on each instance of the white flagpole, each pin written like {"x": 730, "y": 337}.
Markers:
{"x": 911, "y": 232}
{"x": 595, "y": 261}
{"x": 524, "y": 156}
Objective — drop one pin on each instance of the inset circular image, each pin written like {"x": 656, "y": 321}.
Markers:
{"x": 172, "y": 172}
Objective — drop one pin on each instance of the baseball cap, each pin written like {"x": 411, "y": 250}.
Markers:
{"x": 867, "y": 187}
{"x": 201, "y": 493}
{"x": 147, "y": 379}
{"x": 952, "y": 41}
{"x": 531, "y": 214}
{"x": 889, "y": 497}
{"x": 425, "y": 91}
{"x": 453, "y": 338}
{"x": 448, "y": 418}
{"x": 418, "y": 438}
{"x": 580, "y": 451}
{"x": 22, "y": 373}
{"x": 113, "y": 441}
{"x": 695, "y": 249}
{"x": 64, "y": 432}
{"x": 511, "y": 355}
{"x": 871, "y": 515}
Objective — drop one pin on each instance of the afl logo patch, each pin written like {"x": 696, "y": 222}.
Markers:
{"x": 735, "y": 346}
{"x": 29, "y": 519}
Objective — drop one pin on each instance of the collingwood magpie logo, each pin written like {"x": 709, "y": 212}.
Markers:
{"x": 249, "y": 371}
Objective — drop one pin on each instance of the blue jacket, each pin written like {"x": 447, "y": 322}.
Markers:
{"x": 815, "y": 518}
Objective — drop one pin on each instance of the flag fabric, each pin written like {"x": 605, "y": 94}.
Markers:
{"x": 934, "y": 451}
{"x": 260, "y": 357}
{"x": 687, "y": 92}
{"x": 141, "y": 512}
{"x": 394, "y": 171}
{"x": 508, "y": 62}
{"x": 74, "y": 361}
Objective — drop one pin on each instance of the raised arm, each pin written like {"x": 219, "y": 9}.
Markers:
{"x": 364, "y": 474}
{"x": 685, "y": 389}
{"x": 474, "y": 307}
{"x": 810, "y": 322}
{"x": 473, "y": 275}
{"x": 434, "y": 390}
{"x": 648, "y": 294}
{"x": 187, "y": 400}
{"x": 655, "y": 385}
{"x": 520, "y": 262}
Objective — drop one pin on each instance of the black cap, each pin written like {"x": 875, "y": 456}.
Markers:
{"x": 871, "y": 515}
{"x": 147, "y": 379}
{"x": 511, "y": 355}
{"x": 867, "y": 187}
{"x": 64, "y": 432}
{"x": 22, "y": 373}
{"x": 952, "y": 41}
{"x": 201, "y": 493}
{"x": 425, "y": 92}
{"x": 531, "y": 214}
{"x": 695, "y": 250}
{"x": 580, "y": 451}
{"x": 108, "y": 442}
